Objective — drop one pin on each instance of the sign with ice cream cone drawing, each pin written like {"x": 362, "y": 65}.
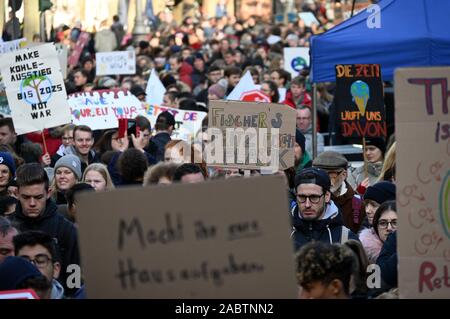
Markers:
{"x": 359, "y": 100}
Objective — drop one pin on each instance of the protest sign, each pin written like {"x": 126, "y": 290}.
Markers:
{"x": 101, "y": 109}
{"x": 295, "y": 60}
{"x": 261, "y": 130}
{"x": 423, "y": 181}
{"x": 62, "y": 51}
{"x": 19, "y": 294}
{"x": 359, "y": 100}
{"x": 155, "y": 89}
{"x": 76, "y": 52}
{"x": 35, "y": 88}
{"x": 14, "y": 45}
{"x": 246, "y": 84}
{"x": 185, "y": 250}
{"x": 117, "y": 62}
{"x": 308, "y": 18}
{"x": 187, "y": 123}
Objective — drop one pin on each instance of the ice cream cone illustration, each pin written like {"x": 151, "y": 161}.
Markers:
{"x": 360, "y": 93}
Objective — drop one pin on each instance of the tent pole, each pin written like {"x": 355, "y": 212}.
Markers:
{"x": 353, "y": 7}
{"x": 314, "y": 121}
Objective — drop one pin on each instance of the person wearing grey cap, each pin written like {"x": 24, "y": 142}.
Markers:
{"x": 67, "y": 172}
{"x": 342, "y": 194}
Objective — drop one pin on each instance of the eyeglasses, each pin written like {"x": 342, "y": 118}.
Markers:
{"x": 384, "y": 223}
{"x": 312, "y": 198}
{"x": 40, "y": 261}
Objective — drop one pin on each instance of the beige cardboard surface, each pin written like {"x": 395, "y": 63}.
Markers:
{"x": 228, "y": 115}
{"x": 226, "y": 239}
{"x": 423, "y": 181}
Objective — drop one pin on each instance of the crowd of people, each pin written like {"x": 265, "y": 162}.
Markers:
{"x": 343, "y": 218}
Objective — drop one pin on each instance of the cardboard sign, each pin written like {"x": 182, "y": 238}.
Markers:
{"x": 185, "y": 250}
{"x": 101, "y": 109}
{"x": 422, "y": 124}
{"x": 117, "y": 62}
{"x": 62, "y": 51}
{"x": 11, "y": 46}
{"x": 359, "y": 100}
{"x": 308, "y": 18}
{"x": 35, "y": 88}
{"x": 76, "y": 53}
{"x": 254, "y": 125}
{"x": 295, "y": 60}
{"x": 187, "y": 123}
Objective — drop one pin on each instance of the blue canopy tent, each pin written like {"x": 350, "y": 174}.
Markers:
{"x": 412, "y": 33}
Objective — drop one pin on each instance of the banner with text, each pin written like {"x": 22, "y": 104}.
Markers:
{"x": 422, "y": 125}
{"x": 11, "y": 46}
{"x": 117, "y": 62}
{"x": 359, "y": 100}
{"x": 35, "y": 88}
{"x": 188, "y": 251}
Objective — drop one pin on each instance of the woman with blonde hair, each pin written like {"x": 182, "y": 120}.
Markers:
{"x": 388, "y": 169}
{"x": 98, "y": 177}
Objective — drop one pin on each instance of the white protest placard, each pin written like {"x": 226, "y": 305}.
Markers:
{"x": 422, "y": 129}
{"x": 177, "y": 247}
{"x": 117, "y": 62}
{"x": 187, "y": 123}
{"x": 245, "y": 84}
{"x": 101, "y": 109}
{"x": 155, "y": 89}
{"x": 62, "y": 51}
{"x": 295, "y": 60}
{"x": 35, "y": 88}
{"x": 14, "y": 45}
{"x": 309, "y": 18}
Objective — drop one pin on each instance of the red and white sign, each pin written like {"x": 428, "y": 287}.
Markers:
{"x": 19, "y": 294}
{"x": 255, "y": 96}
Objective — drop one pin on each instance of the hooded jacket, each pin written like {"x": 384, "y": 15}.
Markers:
{"x": 54, "y": 224}
{"x": 328, "y": 229}
{"x": 92, "y": 157}
{"x": 57, "y": 290}
{"x": 157, "y": 145}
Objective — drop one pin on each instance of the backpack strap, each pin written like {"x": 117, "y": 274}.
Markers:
{"x": 344, "y": 234}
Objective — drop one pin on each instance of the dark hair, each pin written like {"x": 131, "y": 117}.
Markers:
{"x": 7, "y": 121}
{"x": 290, "y": 175}
{"x": 40, "y": 284}
{"x": 317, "y": 261}
{"x": 83, "y": 72}
{"x": 33, "y": 238}
{"x": 5, "y": 202}
{"x": 273, "y": 87}
{"x": 82, "y": 128}
{"x": 156, "y": 172}
{"x": 31, "y": 174}
{"x": 299, "y": 80}
{"x": 132, "y": 165}
{"x": 213, "y": 68}
{"x": 143, "y": 123}
{"x": 5, "y": 226}
{"x": 286, "y": 76}
{"x": 232, "y": 70}
{"x": 75, "y": 190}
{"x": 387, "y": 205}
{"x": 104, "y": 142}
{"x": 187, "y": 169}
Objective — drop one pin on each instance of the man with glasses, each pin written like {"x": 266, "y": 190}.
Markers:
{"x": 316, "y": 217}
{"x": 342, "y": 194}
{"x": 83, "y": 141}
{"x": 39, "y": 248}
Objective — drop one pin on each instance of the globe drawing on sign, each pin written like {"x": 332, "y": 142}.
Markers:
{"x": 361, "y": 94}
{"x": 444, "y": 204}
{"x": 298, "y": 64}
{"x": 35, "y": 89}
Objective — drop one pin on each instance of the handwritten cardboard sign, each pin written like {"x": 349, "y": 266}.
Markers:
{"x": 423, "y": 181}
{"x": 35, "y": 88}
{"x": 153, "y": 246}
{"x": 259, "y": 118}
{"x": 62, "y": 51}
{"x": 117, "y": 62}
{"x": 359, "y": 100}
